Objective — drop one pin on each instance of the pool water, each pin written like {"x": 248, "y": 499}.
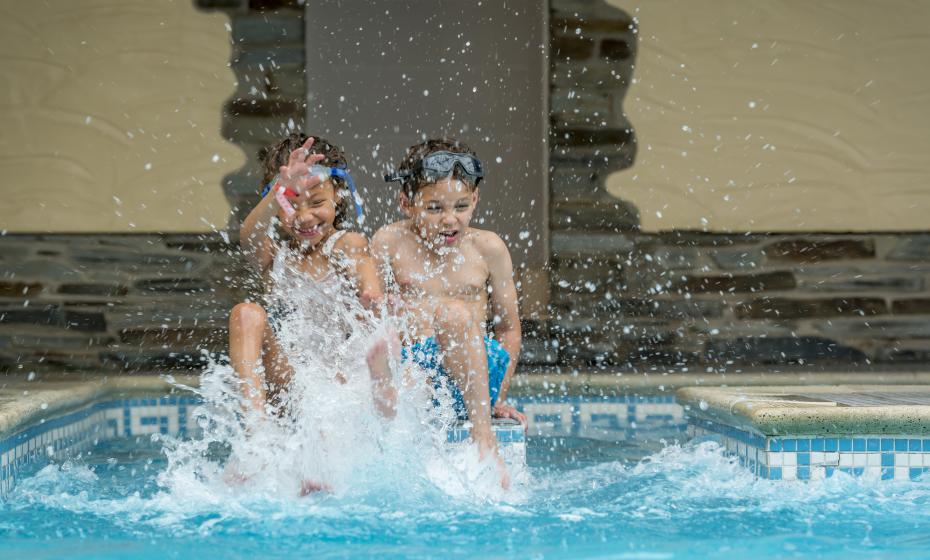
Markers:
{"x": 647, "y": 497}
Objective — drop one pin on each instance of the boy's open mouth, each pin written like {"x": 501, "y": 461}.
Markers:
{"x": 449, "y": 237}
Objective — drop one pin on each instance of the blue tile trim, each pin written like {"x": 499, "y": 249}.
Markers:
{"x": 812, "y": 457}
{"x": 37, "y": 439}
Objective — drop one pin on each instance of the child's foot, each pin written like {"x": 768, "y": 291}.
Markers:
{"x": 378, "y": 363}
{"x": 232, "y": 476}
{"x": 501, "y": 466}
{"x": 308, "y": 487}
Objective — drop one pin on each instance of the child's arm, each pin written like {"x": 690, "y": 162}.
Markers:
{"x": 503, "y": 298}
{"x": 256, "y": 245}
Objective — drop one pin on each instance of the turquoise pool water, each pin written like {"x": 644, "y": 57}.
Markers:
{"x": 618, "y": 492}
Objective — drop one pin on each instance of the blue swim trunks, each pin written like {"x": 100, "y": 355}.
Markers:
{"x": 426, "y": 355}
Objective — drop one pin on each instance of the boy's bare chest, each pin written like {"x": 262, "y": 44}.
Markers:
{"x": 460, "y": 275}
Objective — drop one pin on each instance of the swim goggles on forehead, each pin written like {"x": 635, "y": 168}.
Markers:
{"x": 324, "y": 173}
{"x": 439, "y": 165}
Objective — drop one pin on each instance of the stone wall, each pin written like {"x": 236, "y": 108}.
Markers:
{"x": 108, "y": 303}
{"x": 730, "y": 302}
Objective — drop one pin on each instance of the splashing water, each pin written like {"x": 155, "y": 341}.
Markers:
{"x": 324, "y": 433}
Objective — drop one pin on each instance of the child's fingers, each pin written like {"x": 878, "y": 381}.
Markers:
{"x": 299, "y": 166}
{"x": 301, "y": 153}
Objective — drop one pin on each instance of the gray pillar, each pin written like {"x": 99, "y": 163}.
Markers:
{"x": 383, "y": 75}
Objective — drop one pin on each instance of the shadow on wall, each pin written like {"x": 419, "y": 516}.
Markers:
{"x": 269, "y": 62}
{"x": 593, "y": 48}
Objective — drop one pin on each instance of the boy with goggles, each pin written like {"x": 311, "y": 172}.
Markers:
{"x": 450, "y": 275}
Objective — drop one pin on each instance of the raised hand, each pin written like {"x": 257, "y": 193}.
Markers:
{"x": 296, "y": 174}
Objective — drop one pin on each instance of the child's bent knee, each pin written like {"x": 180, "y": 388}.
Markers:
{"x": 248, "y": 316}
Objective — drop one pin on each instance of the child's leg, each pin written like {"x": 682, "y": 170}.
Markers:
{"x": 247, "y": 323}
{"x": 461, "y": 340}
{"x": 256, "y": 355}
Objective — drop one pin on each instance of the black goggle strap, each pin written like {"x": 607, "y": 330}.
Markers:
{"x": 397, "y": 176}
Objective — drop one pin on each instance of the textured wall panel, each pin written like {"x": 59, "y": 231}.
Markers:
{"x": 110, "y": 116}
{"x": 780, "y": 116}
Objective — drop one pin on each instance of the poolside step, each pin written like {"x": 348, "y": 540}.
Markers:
{"x": 810, "y": 432}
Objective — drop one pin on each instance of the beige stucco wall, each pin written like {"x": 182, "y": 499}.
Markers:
{"x": 110, "y": 116}
{"x": 780, "y": 115}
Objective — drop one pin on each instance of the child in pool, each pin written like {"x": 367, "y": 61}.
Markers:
{"x": 447, "y": 273}
{"x": 318, "y": 258}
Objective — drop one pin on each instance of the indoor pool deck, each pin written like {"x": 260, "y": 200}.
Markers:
{"x": 801, "y": 432}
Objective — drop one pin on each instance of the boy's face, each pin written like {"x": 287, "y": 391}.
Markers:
{"x": 315, "y": 214}
{"x": 441, "y": 211}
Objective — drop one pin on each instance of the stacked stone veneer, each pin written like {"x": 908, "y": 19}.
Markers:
{"x": 619, "y": 297}
{"x": 697, "y": 301}
{"x": 108, "y": 303}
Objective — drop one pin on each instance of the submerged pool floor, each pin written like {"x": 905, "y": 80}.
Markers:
{"x": 645, "y": 497}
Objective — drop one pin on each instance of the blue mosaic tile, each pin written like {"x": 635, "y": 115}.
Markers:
{"x": 774, "y": 444}
{"x": 774, "y": 473}
{"x": 804, "y": 458}
{"x": 789, "y": 445}
{"x": 831, "y": 445}
{"x": 817, "y": 444}
{"x": 887, "y": 473}
{"x": 900, "y": 445}
{"x": 913, "y": 445}
{"x": 859, "y": 445}
{"x": 804, "y": 473}
{"x": 887, "y": 444}
{"x": 887, "y": 459}
{"x": 804, "y": 445}
{"x": 846, "y": 444}
{"x": 873, "y": 444}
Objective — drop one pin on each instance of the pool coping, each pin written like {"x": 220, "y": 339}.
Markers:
{"x": 764, "y": 410}
{"x": 22, "y": 400}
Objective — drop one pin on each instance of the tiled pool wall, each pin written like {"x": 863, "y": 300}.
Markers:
{"x": 614, "y": 417}
{"x": 883, "y": 457}
{"x": 70, "y": 434}
{"x": 618, "y": 418}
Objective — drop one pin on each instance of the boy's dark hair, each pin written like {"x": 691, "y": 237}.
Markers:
{"x": 274, "y": 156}
{"x": 415, "y": 154}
